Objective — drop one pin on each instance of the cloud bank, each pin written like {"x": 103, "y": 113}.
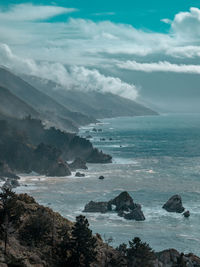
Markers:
{"x": 161, "y": 66}
{"x": 75, "y": 77}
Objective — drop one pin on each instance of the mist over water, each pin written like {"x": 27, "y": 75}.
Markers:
{"x": 153, "y": 158}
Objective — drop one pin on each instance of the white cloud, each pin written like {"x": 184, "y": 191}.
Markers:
{"x": 29, "y": 12}
{"x": 161, "y": 66}
{"x": 76, "y": 77}
{"x": 92, "y": 80}
{"x": 186, "y": 25}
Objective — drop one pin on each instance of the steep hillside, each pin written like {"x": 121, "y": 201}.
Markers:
{"x": 52, "y": 111}
{"x": 33, "y": 235}
{"x": 98, "y": 104}
{"x": 13, "y": 106}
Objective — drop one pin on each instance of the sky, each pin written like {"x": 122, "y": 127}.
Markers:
{"x": 144, "y": 50}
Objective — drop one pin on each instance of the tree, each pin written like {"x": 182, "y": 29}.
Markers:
{"x": 139, "y": 253}
{"x": 8, "y": 198}
{"x": 83, "y": 243}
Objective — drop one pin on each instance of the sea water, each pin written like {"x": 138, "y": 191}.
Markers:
{"x": 154, "y": 157}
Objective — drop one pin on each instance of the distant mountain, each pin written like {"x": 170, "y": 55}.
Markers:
{"x": 51, "y": 111}
{"x": 13, "y": 106}
{"x": 100, "y": 105}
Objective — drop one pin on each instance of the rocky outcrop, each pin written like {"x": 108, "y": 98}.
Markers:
{"x": 78, "y": 174}
{"x": 122, "y": 204}
{"x": 102, "y": 207}
{"x": 171, "y": 258}
{"x": 34, "y": 232}
{"x": 174, "y": 204}
{"x": 59, "y": 169}
{"x": 186, "y": 214}
{"x": 135, "y": 214}
{"x": 6, "y": 172}
{"x": 97, "y": 156}
{"x": 78, "y": 163}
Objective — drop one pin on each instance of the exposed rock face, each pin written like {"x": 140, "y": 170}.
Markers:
{"x": 78, "y": 163}
{"x": 171, "y": 258}
{"x": 78, "y": 174}
{"x": 97, "y": 156}
{"x": 92, "y": 206}
{"x": 6, "y": 172}
{"x": 24, "y": 250}
{"x": 174, "y": 204}
{"x": 135, "y": 214}
{"x": 122, "y": 204}
{"x": 59, "y": 169}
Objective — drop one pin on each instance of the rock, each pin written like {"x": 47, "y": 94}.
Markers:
{"x": 186, "y": 214}
{"x": 136, "y": 214}
{"x": 59, "y": 169}
{"x": 110, "y": 139}
{"x": 174, "y": 204}
{"x": 97, "y": 156}
{"x": 6, "y": 172}
{"x": 102, "y": 139}
{"x": 122, "y": 204}
{"x": 92, "y": 206}
{"x": 78, "y": 163}
{"x": 101, "y": 177}
{"x": 94, "y": 130}
{"x": 78, "y": 174}
{"x": 14, "y": 183}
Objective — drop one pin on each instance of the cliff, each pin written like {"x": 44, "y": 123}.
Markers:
{"x": 26, "y": 145}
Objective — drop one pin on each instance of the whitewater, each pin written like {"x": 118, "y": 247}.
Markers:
{"x": 154, "y": 157}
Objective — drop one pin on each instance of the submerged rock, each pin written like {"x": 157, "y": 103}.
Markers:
{"x": 174, "y": 204}
{"x": 122, "y": 204}
{"x": 78, "y": 163}
{"x": 101, "y": 177}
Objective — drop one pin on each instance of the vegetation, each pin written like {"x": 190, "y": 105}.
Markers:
{"x": 36, "y": 227}
{"x": 138, "y": 253}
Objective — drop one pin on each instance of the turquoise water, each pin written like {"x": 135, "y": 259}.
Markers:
{"x": 153, "y": 158}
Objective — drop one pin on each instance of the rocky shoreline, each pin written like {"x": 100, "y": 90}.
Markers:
{"x": 33, "y": 235}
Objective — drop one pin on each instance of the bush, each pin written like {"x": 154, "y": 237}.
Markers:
{"x": 36, "y": 227}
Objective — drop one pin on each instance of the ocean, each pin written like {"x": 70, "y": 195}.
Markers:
{"x": 154, "y": 157}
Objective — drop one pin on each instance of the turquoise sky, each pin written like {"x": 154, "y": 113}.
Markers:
{"x": 142, "y": 14}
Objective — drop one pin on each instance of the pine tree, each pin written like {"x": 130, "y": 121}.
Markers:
{"x": 139, "y": 253}
{"x": 83, "y": 243}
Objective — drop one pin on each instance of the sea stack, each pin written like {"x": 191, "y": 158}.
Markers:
{"x": 174, "y": 204}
